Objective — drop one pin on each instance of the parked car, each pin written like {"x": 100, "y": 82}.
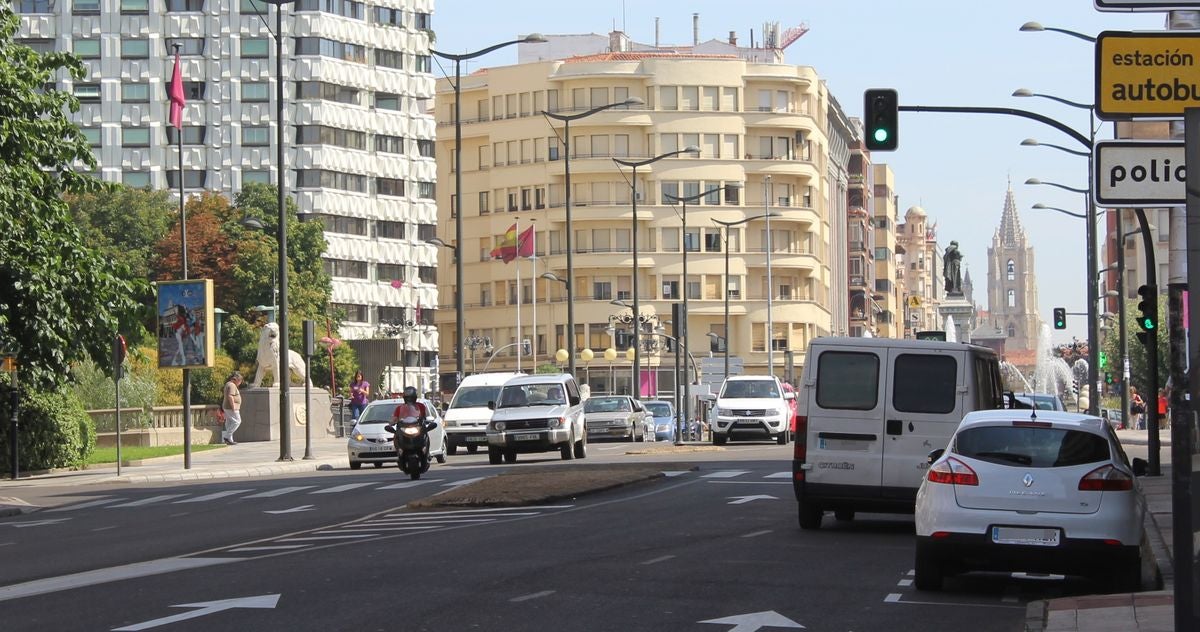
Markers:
{"x": 1114, "y": 417}
{"x": 1033, "y": 491}
{"x": 616, "y": 416}
{"x": 662, "y": 413}
{"x": 752, "y": 406}
{"x": 1040, "y": 401}
{"x": 370, "y": 443}
{"x": 537, "y": 413}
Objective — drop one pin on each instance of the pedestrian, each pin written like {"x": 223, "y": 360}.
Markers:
{"x": 231, "y": 405}
{"x": 1164, "y": 417}
{"x": 1137, "y": 409}
{"x": 360, "y": 394}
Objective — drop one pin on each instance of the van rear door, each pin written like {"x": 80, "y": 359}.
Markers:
{"x": 924, "y": 405}
{"x": 845, "y": 409}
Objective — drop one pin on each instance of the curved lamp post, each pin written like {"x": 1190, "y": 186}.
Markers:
{"x": 637, "y": 334}
{"x": 566, "y": 141}
{"x": 725, "y": 245}
{"x": 460, "y": 322}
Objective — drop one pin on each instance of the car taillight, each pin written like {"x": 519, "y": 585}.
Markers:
{"x": 800, "y": 449}
{"x": 1106, "y": 479}
{"x": 952, "y": 472}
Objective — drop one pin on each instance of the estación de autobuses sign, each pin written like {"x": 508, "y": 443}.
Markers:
{"x": 1146, "y": 74}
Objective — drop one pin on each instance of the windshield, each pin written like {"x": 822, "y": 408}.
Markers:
{"x": 607, "y": 405}
{"x": 750, "y": 389}
{"x": 377, "y": 414}
{"x": 659, "y": 409}
{"x": 474, "y": 396}
{"x": 545, "y": 394}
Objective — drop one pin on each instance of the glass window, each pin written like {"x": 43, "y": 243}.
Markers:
{"x": 187, "y": 46}
{"x": 423, "y": 63}
{"x": 35, "y": 6}
{"x": 135, "y": 137}
{"x": 256, "y": 91}
{"x": 136, "y": 179}
{"x": 253, "y": 6}
{"x": 925, "y": 383}
{"x": 193, "y": 90}
{"x": 192, "y": 135}
{"x": 87, "y": 91}
{"x": 847, "y": 380}
{"x": 87, "y": 48}
{"x": 135, "y": 92}
{"x": 388, "y": 16}
{"x": 135, "y": 48}
{"x": 92, "y": 134}
{"x": 135, "y": 6}
{"x": 254, "y": 47}
{"x": 668, "y": 98}
{"x": 177, "y": 6}
{"x": 386, "y": 101}
{"x": 261, "y": 176}
{"x": 85, "y": 6}
{"x": 192, "y": 179}
{"x": 389, "y": 59}
{"x": 256, "y": 135}
{"x": 1030, "y": 447}
{"x": 389, "y": 186}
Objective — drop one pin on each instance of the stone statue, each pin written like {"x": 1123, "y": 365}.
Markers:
{"x": 268, "y": 357}
{"x": 952, "y": 270}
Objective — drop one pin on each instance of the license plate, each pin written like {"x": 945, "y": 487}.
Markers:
{"x": 382, "y": 449}
{"x": 526, "y": 437}
{"x": 1028, "y": 537}
{"x": 476, "y": 439}
{"x": 749, "y": 422}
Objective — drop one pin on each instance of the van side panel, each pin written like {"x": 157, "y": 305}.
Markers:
{"x": 924, "y": 404}
{"x": 845, "y": 402}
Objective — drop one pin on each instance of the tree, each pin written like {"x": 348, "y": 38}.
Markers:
{"x": 1138, "y": 370}
{"x": 61, "y": 300}
{"x": 211, "y": 253}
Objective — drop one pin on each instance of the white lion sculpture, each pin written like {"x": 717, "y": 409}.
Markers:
{"x": 268, "y": 356}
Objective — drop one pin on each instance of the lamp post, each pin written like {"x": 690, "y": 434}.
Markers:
{"x": 637, "y": 326}
{"x": 725, "y": 245}
{"x": 460, "y": 317}
{"x": 475, "y": 343}
{"x": 550, "y": 276}
{"x": 566, "y": 142}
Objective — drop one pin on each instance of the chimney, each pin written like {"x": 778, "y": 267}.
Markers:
{"x": 695, "y": 29}
{"x": 733, "y": 38}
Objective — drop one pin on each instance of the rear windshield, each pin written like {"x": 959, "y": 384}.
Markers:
{"x": 750, "y": 389}
{"x": 925, "y": 383}
{"x": 606, "y": 405}
{"x": 1031, "y": 447}
{"x": 474, "y": 396}
{"x": 847, "y": 380}
{"x": 659, "y": 409}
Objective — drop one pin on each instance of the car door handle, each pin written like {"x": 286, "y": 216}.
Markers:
{"x": 895, "y": 426}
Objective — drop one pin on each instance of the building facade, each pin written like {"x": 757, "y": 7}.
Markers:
{"x": 865, "y": 310}
{"x": 359, "y": 142}
{"x": 919, "y": 272}
{"x": 761, "y": 130}
{"x": 884, "y": 207}
{"x": 1012, "y": 283}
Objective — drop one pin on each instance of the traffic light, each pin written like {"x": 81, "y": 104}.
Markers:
{"x": 1143, "y": 337}
{"x": 1148, "y": 306}
{"x": 1108, "y": 377}
{"x": 1103, "y": 360}
{"x": 1060, "y": 318}
{"x": 882, "y": 115}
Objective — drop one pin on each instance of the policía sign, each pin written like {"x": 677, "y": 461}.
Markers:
{"x": 1146, "y": 74}
{"x": 1133, "y": 173}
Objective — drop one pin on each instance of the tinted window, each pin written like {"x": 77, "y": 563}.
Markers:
{"x": 847, "y": 380}
{"x": 1032, "y": 447}
{"x": 924, "y": 383}
{"x": 754, "y": 389}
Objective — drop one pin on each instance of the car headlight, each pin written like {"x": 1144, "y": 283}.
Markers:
{"x": 450, "y": 424}
{"x": 556, "y": 422}
{"x": 725, "y": 412}
{"x": 663, "y": 428}
{"x": 773, "y": 413}
{"x": 358, "y": 436}
{"x": 499, "y": 426}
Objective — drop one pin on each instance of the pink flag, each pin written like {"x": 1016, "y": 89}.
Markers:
{"x": 175, "y": 92}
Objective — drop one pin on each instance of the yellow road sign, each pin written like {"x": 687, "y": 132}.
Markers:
{"x": 1146, "y": 74}
{"x": 914, "y": 301}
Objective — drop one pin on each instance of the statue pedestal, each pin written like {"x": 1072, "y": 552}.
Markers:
{"x": 961, "y": 312}
{"x": 260, "y": 413}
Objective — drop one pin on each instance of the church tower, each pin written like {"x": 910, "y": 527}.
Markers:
{"x": 1012, "y": 285}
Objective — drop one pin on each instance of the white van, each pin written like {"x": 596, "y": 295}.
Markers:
{"x": 870, "y": 412}
{"x": 468, "y": 415}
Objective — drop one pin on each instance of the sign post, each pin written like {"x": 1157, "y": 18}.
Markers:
{"x": 1137, "y": 173}
{"x": 10, "y": 367}
{"x": 1146, "y": 74}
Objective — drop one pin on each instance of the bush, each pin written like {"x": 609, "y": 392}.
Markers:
{"x": 96, "y": 391}
{"x": 206, "y": 383}
{"x": 55, "y": 431}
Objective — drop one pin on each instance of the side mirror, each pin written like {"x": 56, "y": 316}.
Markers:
{"x": 789, "y": 395}
{"x": 1140, "y": 466}
{"x": 491, "y": 404}
{"x": 935, "y": 455}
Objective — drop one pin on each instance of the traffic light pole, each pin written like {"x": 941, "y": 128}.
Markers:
{"x": 1151, "y": 397}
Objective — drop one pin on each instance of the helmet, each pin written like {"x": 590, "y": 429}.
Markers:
{"x": 410, "y": 394}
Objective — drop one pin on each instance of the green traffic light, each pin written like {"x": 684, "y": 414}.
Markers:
{"x": 1147, "y": 324}
{"x": 881, "y": 135}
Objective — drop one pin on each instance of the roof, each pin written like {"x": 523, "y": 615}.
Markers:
{"x": 640, "y": 55}
{"x": 1025, "y": 414}
{"x": 897, "y": 343}
{"x": 540, "y": 378}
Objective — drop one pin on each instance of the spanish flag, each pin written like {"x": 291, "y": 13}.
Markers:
{"x": 507, "y": 250}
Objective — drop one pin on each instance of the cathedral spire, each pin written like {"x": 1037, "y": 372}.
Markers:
{"x": 1010, "y": 232}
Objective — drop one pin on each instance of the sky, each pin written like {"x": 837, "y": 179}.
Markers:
{"x": 957, "y": 167}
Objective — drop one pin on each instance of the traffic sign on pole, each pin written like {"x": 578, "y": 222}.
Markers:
{"x": 1137, "y": 173}
{"x": 1126, "y": 6}
{"x": 1146, "y": 74}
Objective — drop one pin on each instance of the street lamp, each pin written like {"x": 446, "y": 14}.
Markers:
{"x": 1033, "y": 142}
{"x": 1039, "y": 206}
{"x": 550, "y": 276}
{"x": 1036, "y": 27}
{"x": 474, "y": 343}
{"x": 637, "y": 334}
{"x": 460, "y": 316}
{"x": 725, "y": 246}
{"x": 566, "y": 141}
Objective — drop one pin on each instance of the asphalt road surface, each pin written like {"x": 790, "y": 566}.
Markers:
{"x": 716, "y": 548}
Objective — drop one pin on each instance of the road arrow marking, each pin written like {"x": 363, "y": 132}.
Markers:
{"x": 36, "y": 523}
{"x": 205, "y": 608}
{"x": 741, "y": 500}
{"x": 292, "y": 510}
{"x": 754, "y": 621}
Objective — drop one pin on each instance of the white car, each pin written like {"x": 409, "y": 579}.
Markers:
{"x": 752, "y": 406}
{"x": 370, "y": 443}
{"x": 1033, "y": 491}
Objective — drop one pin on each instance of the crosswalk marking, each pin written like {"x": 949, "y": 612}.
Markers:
{"x": 674, "y": 473}
{"x": 420, "y": 527}
{"x": 465, "y": 481}
{"x": 279, "y": 547}
{"x": 279, "y": 492}
{"x": 91, "y": 503}
{"x": 725, "y": 474}
{"x": 407, "y": 484}
{"x": 347, "y": 536}
{"x": 213, "y": 496}
{"x": 147, "y": 501}
{"x": 340, "y": 488}
{"x": 779, "y": 475}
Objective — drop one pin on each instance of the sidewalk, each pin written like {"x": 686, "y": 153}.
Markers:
{"x": 1152, "y": 611}
{"x": 246, "y": 459}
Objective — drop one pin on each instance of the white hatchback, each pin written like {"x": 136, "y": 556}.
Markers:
{"x": 1033, "y": 491}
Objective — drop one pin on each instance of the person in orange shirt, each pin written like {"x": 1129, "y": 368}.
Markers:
{"x": 1164, "y": 418}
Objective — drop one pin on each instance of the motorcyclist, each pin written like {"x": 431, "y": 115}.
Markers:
{"x": 411, "y": 408}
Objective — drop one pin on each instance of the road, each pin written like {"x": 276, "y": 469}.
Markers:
{"x": 702, "y": 549}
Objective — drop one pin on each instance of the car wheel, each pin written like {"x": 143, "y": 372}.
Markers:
{"x": 354, "y": 465}
{"x": 719, "y": 439}
{"x": 451, "y": 450}
{"x": 510, "y": 456}
{"x": 565, "y": 450}
{"x": 581, "y": 448}
{"x": 843, "y": 515}
{"x": 810, "y": 516}
{"x": 494, "y": 456}
{"x": 782, "y": 438}
{"x": 929, "y": 574}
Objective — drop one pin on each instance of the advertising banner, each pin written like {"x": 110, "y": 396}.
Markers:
{"x": 185, "y": 324}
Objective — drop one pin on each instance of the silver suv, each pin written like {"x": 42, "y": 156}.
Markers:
{"x": 537, "y": 413}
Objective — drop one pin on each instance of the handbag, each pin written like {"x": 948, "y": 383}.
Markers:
{"x": 1137, "y": 408}
{"x": 220, "y": 416}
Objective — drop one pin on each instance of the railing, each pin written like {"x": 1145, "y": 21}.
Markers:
{"x": 156, "y": 417}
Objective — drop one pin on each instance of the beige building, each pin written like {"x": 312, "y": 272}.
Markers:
{"x": 919, "y": 272}
{"x": 761, "y": 132}
{"x": 888, "y": 299}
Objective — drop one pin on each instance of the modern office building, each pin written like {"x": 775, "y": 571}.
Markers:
{"x": 761, "y": 127}
{"x": 359, "y": 141}
{"x": 884, "y": 211}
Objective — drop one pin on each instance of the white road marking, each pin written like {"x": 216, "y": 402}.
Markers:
{"x": 536, "y": 595}
{"x": 725, "y": 474}
{"x": 673, "y": 474}
{"x": 90, "y": 503}
{"x": 461, "y": 512}
{"x": 465, "y": 481}
{"x": 11, "y": 543}
{"x": 892, "y": 598}
{"x": 377, "y": 528}
{"x": 340, "y": 488}
{"x": 204, "y": 608}
{"x": 895, "y": 598}
{"x": 904, "y": 582}
{"x": 351, "y": 536}
{"x": 35, "y": 523}
{"x": 439, "y": 521}
{"x": 106, "y": 575}
{"x": 407, "y": 484}
{"x": 279, "y": 492}
{"x": 180, "y": 514}
{"x": 147, "y": 501}
{"x": 755, "y": 534}
{"x": 104, "y": 528}
{"x": 213, "y": 496}
{"x": 279, "y": 547}
{"x": 292, "y": 510}
{"x": 741, "y": 500}
{"x": 657, "y": 560}
{"x": 752, "y": 482}
{"x": 779, "y": 475}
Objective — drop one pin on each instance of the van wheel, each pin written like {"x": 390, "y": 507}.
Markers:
{"x": 843, "y": 515}
{"x": 810, "y": 516}
{"x": 782, "y": 438}
{"x": 929, "y": 574}
{"x": 494, "y": 456}
{"x": 719, "y": 439}
{"x": 354, "y": 465}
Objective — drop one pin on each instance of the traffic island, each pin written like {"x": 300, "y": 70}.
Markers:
{"x": 546, "y": 484}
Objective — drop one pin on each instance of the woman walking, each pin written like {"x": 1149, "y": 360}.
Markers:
{"x": 360, "y": 394}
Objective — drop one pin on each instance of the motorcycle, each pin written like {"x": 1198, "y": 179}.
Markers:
{"x": 412, "y": 444}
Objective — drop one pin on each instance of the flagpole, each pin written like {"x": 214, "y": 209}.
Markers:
{"x": 177, "y": 85}
{"x": 518, "y": 225}
{"x": 534, "y": 279}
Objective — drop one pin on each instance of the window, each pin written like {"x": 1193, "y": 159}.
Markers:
{"x": 193, "y": 90}
{"x": 1012, "y": 331}
{"x": 670, "y": 290}
{"x": 1012, "y": 298}
{"x": 427, "y": 274}
{"x": 668, "y": 98}
{"x": 331, "y": 48}
{"x": 390, "y": 272}
{"x": 87, "y": 48}
{"x": 712, "y": 240}
{"x": 192, "y": 179}
{"x": 346, "y": 268}
{"x": 261, "y": 176}
{"x": 354, "y": 312}
{"x": 389, "y": 144}
{"x": 389, "y": 186}
{"x": 342, "y": 224}
{"x": 847, "y": 380}
{"x": 1012, "y": 270}
{"x": 135, "y": 137}
{"x": 92, "y": 134}
{"x": 135, "y": 48}
{"x": 253, "y": 6}
{"x": 690, "y": 99}
{"x": 344, "y": 8}
{"x": 136, "y": 179}
{"x": 327, "y": 92}
{"x": 135, "y": 92}
{"x": 187, "y": 46}
{"x": 602, "y": 290}
{"x": 35, "y": 6}
{"x": 389, "y": 17}
{"x": 256, "y": 136}
{"x": 425, "y": 148}
{"x": 256, "y": 92}
{"x": 422, "y": 21}
{"x": 318, "y": 178}
{"x": 322, "y": 135}
{"x": 387, "y": 101}
{"x": 422, "y": 63}
{"x": 179, "y": 6}
{"x": 925, "y": 383}
{"x": 1036, "y": 447}
{"x": 79, "y": 7}
{"x": 389, "y": 59}
{"x": 426, "y": 190}
{"x": 192, "y": 135}
{"x": 389, "y": 230}
{"x": 135, "y": 6}
{"x": 254, "y": 47}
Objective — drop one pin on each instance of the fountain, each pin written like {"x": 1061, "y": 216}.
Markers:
{"x": 1051, "y": 374}
{"x": 951, "y": 332}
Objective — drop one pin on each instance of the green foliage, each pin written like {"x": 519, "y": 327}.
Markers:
{"x": 55, "y": 431}
{"x": 548, "y": 368}
{"x": 139, "y": 452}
{"x": 345, "y": 363}
{"x": 60, "y": 299}
{"x": 206, "y": 383}
{"x": 96, "y": 391}
{"x": 1139, "y": 371}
